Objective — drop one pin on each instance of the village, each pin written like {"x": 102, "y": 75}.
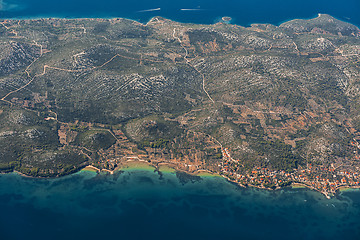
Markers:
{"x": 231, "y": 109}
{"x": 323, "y": 179}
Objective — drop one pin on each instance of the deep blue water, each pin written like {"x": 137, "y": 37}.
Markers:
{"x": 141, "y": 204}
{"x": 209, "y": 11}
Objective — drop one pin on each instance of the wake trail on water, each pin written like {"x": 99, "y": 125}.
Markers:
{"x": 150, "y": 10}
{"x": 191, "y": 9}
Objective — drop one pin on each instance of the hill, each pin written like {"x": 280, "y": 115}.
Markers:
{"x": 261, "y": 105}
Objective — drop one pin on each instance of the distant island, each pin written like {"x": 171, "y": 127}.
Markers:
{"x": 226, "y": 19}
{"x": 265, "y": 106}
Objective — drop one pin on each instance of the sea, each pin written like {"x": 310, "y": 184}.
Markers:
{"x": 145, "y": 204}
{"x": 243, "y": 12}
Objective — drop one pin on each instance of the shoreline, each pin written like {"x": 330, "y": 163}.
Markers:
{"x": 150, "y": 19}
{"x": 170, "y": 168}
{"x": 161, "y": 167}
{"x": 347, "y": 188}
{"x": 298, "y": 185}
{"x": 155, "y": 166}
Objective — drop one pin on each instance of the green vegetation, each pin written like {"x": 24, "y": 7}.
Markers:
{"x": 285, "y": 184}
{"x": 158, "y": 143}
{"x": 95, "y": 139}
{"x": 103, "y": 89}
{"x": 280, "y": 155}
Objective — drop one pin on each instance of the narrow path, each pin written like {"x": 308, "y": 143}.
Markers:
{"x": 296, "y": 48}
{"x": 27, "y": 72}
{"x": 10, "y": 28}
{"x": 203, "y": 87}
{"x": 32, "y": 79}
{"x": 197, "y": 70}
{"x": 55, "y": 68}
{"x": 203, "y": 83}
{"x": 3, "y": 98}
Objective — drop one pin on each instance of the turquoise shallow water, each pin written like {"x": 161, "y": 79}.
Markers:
{"x": 141, "y": 204}
{"x": 144, "y": 205}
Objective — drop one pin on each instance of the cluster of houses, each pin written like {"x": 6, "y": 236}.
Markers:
{"x": 324, "y": 179}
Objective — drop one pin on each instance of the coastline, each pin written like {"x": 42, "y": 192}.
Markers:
{"x": 169, "y": 168}
{"x": 162, "y": 167}
{"x": 150, "y": 19}
{"x": 347, "y": 188}
{"x": 298, "y": 185}
{"x": 90, "y": 168}
{"x": 318, "y": 15}
{"x": 143, "y": 165}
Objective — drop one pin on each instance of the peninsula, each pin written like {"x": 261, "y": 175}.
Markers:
{"x": 265, "y": 106}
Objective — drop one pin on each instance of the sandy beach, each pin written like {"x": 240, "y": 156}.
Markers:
{"x": 298, "y": 185}
{"x": 142, "y": 165}
{"x": 135, "y": 165}
{"x": 170, "y": 168}
{"x": 91, "y": 168}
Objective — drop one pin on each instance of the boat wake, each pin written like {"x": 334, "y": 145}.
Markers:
{"x": 150, "y": 10}
{"x": 191, "y": 9}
